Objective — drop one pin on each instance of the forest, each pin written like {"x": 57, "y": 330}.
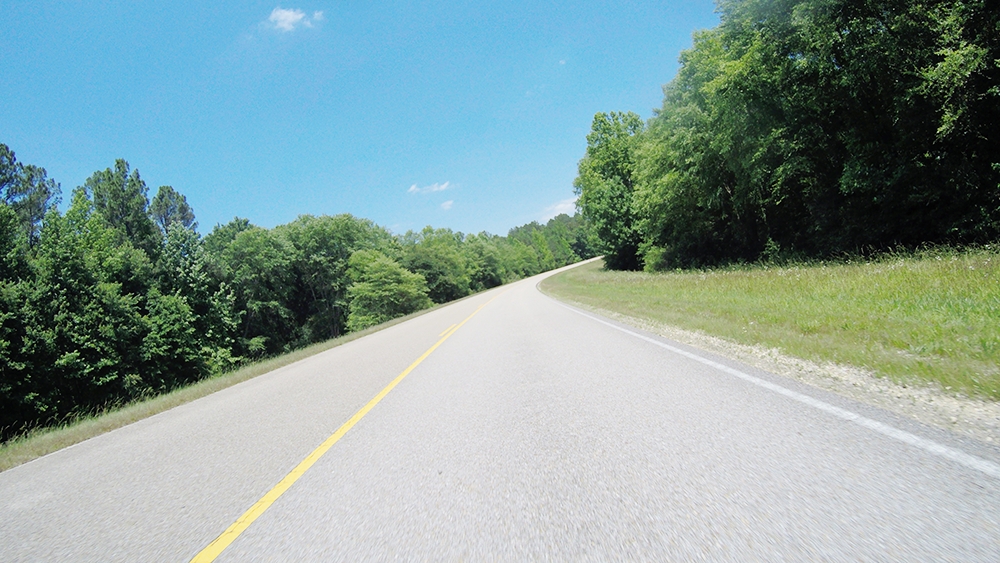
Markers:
{"x": 120, "y": 298}
{"x": 802, "y": 129}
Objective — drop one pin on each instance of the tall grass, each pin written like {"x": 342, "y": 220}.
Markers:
{"x": 930, "y": 317}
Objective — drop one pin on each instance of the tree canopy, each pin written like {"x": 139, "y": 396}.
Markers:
{"x": 812, "y": 128}
{"x": 170, "y": 207}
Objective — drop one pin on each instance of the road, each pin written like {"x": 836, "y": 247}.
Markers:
{"x": 532, "y": 431}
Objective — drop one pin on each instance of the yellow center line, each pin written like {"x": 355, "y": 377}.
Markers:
{"x": 220, "y": 543}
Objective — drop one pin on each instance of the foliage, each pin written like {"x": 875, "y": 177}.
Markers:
{"x": 169, "y": 207}
{"x": 171, "y": 352}
{"x": 435, "y": 255}
{"x": 119, "y": 197}
{"x": 13, "y": 264}
{"x": 606, "y": 184}
{"x": 816, "y": 127}
{"x": 28, "y": 191}
{"x": 184, "y": 271}
{"x": 382, "y": 290}
{"x": 258, "y": 268}
{"x": 121, "y": 298}
{"x": 323, "y": 247}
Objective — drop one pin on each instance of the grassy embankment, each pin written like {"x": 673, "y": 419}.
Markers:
{"x": 927, "y": 318}
{"x": 42, "y": 441}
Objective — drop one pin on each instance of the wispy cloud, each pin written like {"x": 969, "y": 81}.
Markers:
{"x": 567, "y": 206}
{"x": 429, "y": 189}
{"x": 287, "y": 20}
{"x": 447, "y": 205}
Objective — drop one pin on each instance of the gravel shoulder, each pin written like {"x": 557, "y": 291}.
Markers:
{"x": 930, "y": 405}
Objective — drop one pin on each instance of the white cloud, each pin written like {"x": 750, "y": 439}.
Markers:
{"x": 435, "y": 187}
{"x": 567, "y": 206}
{"x": 447, "y": 205}
{"x": 287, "y": 20}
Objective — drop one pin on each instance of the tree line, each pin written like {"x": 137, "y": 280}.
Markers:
{"x": 121, "y": 298}
{"x": 807, "y": 128}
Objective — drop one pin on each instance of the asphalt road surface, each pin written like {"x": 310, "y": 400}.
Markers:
{"x": 531, "y": 432}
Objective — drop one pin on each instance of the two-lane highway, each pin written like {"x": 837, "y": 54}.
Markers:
{"x": 530, "y": 431}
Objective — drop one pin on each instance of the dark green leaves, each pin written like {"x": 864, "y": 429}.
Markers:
{"x": 606, "y": 184}
{"x": 119, "y": 197}
{"x": 170, "y": 207}
{"x": 810, "y": 128}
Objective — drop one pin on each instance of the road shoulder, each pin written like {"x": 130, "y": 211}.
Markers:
{"x": 929, "y": 405}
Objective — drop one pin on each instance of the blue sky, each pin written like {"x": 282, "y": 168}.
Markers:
{"x": 469, "y": 115}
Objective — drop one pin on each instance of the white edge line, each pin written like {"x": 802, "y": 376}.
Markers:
{"x": 929, "y": 446}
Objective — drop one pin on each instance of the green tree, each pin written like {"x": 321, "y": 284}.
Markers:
{"x": 322, "y": 248}
{"x": 553, "y": 242}
{"x": 520, "y": 259}
{"x": 605, "y": 185}
{"x": 685, "y": 199}
{"x": 10, "y": 170}
{"x": 15, "y": 275}
{"x": 435, "y": 254}
{"x": 119, "y": 197}
{"x": 36, "y": 196}
{"x": 222, "y": 236}
{"x": 382, "y": 290}
{"x": 169, "y": 207}
{"x": 110, "y": 257}
{"x": 485, "y": 262}
{"x": 13, "y": 259}
{"x": 559, "y": 235}
{"x": 28, "y": 191}
{"x": 583, "y": 242}
{"x": 824, "y": 126}
{"x": 172, "y": 352}
{"x": 184, "y": 271}
{"x": 18, "y": 379}
{"x": 82, "y": 336}
{"x": 257, "y": 265}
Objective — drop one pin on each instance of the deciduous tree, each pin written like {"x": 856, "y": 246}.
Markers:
{"x": 605, "y": 186}
{"x": 382, "y": 290}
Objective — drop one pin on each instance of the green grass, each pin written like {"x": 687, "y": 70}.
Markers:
{"x": 42, "y": 441}
{"x": 933, "y": 317}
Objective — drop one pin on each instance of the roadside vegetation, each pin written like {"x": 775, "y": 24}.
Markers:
{"x": 807, "y": 129}
{"x": 80, "y": 426}
{"x": 798, "y": 132}
{"x": 120, "y": 298}
{"x": 931, "y": 317}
